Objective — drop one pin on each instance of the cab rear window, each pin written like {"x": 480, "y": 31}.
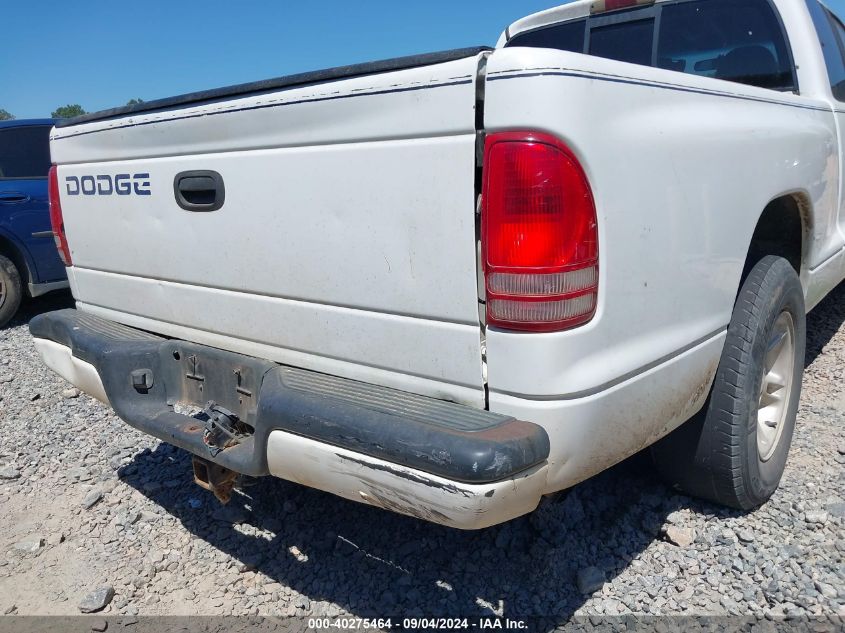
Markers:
{"x": 626, "y": 42}
{"x": 736, "y": 40}
{"x": 568, "y": 36}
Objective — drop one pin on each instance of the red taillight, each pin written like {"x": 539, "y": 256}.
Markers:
{"x": 56, "y": 220}
{"x": 538, "y": 233}
{"x": 603, "y": 6}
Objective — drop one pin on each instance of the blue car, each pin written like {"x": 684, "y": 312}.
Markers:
{"x": 29, "y": 261}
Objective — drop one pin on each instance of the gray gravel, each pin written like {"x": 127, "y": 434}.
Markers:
{"x": 111, "y": 508}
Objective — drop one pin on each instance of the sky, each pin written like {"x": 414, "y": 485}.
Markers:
{"x": 100, "y": 54}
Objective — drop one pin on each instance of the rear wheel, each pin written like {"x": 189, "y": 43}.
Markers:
{"x": 734, "y": 451}
{"x": 11, "y": 290}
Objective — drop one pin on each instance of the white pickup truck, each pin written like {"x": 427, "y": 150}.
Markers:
{"x": 448, "y": 285}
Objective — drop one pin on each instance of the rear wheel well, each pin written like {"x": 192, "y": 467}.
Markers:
{"x": 10, "y": 250}
{"x": 780, "y": 231}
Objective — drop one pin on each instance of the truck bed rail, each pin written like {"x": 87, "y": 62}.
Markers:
{"x": 288, "y": 81}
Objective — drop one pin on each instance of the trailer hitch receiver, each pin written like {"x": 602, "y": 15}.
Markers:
{"x": 215, "y": 478}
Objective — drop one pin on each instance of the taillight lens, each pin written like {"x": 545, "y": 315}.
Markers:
{"x": 603, "y": 6}
{"x": 56, "y": 220}
{"x": 538, "y": 233}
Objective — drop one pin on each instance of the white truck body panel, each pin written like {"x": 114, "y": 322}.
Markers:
{"x": 348, "y": 243}
{"x": 351, "y": 241}
{"x": 632, "y": 127}
{"x": 424, "y": 102}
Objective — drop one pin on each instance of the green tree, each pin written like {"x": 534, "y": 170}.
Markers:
{"x": 134, "y": 102}
{"x": 68, "y": 111}
{"x": 5, "y": 115}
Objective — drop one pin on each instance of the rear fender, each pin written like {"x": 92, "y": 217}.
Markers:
{"x": 15, "y": 250}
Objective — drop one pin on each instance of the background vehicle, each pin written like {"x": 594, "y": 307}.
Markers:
{"x": 29, "y": 262}
{"x": 448, "y": 285}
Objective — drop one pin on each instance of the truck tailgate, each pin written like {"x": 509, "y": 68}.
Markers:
{"x": 346, "y": 242}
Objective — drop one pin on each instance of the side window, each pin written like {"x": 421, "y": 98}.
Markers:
{"x": 624, "y": 42}
{"x": 735, "y": 40}
{"x": 832, "y": 38}
{"x": 25, "y": 152}
{"x": 568, "y": 36}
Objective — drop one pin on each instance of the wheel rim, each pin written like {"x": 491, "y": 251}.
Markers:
{"x": 776, "y": 386}
{"x": 2, "y": 292}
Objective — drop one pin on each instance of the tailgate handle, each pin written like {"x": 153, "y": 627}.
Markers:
{"x": 200, "y": 190}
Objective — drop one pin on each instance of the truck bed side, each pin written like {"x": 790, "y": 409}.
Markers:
{"x": 681, "y": 167}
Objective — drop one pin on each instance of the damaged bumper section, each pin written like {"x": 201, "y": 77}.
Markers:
{"x": 418, "y": 456}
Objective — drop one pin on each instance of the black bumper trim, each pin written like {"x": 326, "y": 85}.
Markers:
{"x": 436, "y": 437}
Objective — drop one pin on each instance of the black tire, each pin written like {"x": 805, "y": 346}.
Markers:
{"x": 11, "y": 290}
{"x": 715, "y": 455}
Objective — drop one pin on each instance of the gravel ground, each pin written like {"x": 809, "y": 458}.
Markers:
{"x": 91, "y": 507}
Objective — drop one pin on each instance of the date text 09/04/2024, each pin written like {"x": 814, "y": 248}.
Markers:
{"x": 386, "y": 624}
